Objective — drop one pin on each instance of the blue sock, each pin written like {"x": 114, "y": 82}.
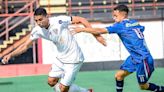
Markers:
{"x": 155, "y": 88}
{"x": 119, "y": 85}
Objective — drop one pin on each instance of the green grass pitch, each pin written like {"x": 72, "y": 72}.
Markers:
{"x": 100, "y": 81}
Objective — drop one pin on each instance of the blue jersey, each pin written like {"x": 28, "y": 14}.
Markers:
{"x": 131, "y": 34}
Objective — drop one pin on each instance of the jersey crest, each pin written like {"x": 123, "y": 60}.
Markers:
{"x": 60, "y": 21}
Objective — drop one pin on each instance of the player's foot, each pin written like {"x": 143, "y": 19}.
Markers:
{"x": 90, "y": 90}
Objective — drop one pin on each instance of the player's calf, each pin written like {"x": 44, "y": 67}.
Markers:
{"x": 63, "y": 88}
{"x": 144, "y": 86}
{"x": 155, "y": 88}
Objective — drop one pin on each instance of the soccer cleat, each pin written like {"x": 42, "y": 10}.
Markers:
{"x": 1, "y": 61}
{"x": 90, "y": 90}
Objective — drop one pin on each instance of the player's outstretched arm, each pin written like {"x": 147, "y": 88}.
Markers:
{"x": 95, "y": 31}
{"x": 81, "y": 20}
{"x": 86, "y": 24}
{"x": 21, "y": 49}
{"x": 88, "y": 28}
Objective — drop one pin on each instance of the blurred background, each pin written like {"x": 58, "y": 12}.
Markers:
{"x": 16, "y": 22}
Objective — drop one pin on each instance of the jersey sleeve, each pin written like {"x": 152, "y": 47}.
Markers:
{"x": 34, "y": 34}
{"x": 115, "y": 28}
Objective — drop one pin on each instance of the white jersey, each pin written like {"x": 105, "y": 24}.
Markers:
{"x": 59, "y": 33}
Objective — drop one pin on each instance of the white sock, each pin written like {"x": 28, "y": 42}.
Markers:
{"x": 73, "y": 88}
{"x": 76, "y": 88}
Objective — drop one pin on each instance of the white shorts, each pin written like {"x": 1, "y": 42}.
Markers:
{"x": 66, "y": 72}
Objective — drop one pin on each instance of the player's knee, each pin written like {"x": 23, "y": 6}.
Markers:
{"x": 143, "y": 86}
{"x": 119, "y": 76}
{"x": 63, "y": 88}
{"x": 52, "y": 82}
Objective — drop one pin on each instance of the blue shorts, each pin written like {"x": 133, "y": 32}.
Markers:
{"x": 143, "y": 69}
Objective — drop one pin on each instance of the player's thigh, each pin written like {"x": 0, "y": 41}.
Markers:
{"x": 145, "y": 70}
{"x": 57, "y": 70}
{"x": 128, "y": 65}
{"x": 71, "y": 71}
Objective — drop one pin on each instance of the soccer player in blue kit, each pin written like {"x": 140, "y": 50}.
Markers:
{"x": 140, "y": 59}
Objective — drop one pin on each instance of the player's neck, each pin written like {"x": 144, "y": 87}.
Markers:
{"x": 48, "y": 26}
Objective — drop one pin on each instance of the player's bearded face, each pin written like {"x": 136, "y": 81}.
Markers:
{"x": 42, "y": 21}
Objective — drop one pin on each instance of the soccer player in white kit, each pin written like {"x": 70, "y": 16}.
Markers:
{"x": 70, "y": 57}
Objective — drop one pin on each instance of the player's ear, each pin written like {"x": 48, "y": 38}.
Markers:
{"x": 47, "y": 16}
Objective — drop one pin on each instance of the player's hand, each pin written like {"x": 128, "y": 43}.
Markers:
{"x": 6, "y": 58}
{"x": 100, "y": 39}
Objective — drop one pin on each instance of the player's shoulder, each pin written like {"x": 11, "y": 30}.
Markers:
{"x": 35, "y": 29}
{"x": 129, "y": 21}
{"x": 134, "y": 21}
{"x": 54, "y": 18}
{"x": 59, "y": 19}
{"x": 63, "y": 16}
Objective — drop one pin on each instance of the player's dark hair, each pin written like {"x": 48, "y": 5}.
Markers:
{"x": 122, "y": 8}
{"x": 40, "y": 11}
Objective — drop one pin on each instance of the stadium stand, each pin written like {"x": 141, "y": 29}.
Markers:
{"x": 101, "y": 10}
{"x": 15, "y": 26}
{"x": 54, "y": 7}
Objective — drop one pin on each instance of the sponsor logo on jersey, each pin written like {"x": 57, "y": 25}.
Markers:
{"x": 132, "y": 24}
{"x": 60, "y": 21}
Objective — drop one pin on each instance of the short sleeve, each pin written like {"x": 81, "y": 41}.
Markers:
{"x": 34, "y": 34}
{"x": 115, "y": 28}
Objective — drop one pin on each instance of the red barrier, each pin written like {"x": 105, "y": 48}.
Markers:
{"x": 24, "y": 70}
